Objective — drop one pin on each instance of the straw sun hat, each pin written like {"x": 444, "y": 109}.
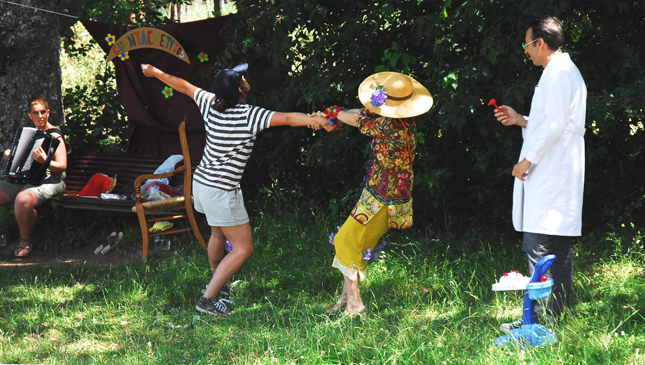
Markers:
{"x": 406, "y": 97}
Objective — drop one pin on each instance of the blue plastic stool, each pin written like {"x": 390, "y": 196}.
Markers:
{"x": 531, "y": 333}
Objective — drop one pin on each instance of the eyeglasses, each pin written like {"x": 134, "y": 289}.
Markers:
{"x": 527, "y": 44}
{"x": 39, "y": 112}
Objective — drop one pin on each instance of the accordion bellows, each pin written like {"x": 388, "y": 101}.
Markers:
{"x": 98, "y": 185}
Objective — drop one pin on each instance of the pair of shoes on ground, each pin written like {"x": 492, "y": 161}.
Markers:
{"x": 23, "y": 250}
{"x": 225, "y": 292}
{"x": 108, "y": 243}
{"x": 215, "y": 306}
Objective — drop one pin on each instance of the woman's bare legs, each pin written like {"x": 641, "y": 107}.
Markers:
{"x": 354, "y": 301}
{"x": 340, "y": 304}
{"x": 242, "y": 242}
{"x": 216, "y": 245}
{"x": 26, "y": 216}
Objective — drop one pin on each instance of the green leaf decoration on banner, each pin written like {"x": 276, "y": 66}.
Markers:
{"x": 203, "y": 57}
{"x": 167, "y": 92}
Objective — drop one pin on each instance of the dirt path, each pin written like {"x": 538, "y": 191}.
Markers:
{"x": 80, "y": 256}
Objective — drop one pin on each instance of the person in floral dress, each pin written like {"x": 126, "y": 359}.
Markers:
{"x": 392, "y": 101}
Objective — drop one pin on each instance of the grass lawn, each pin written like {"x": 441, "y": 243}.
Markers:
{"x": 429, "y": 302}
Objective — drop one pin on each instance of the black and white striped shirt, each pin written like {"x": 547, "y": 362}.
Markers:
{"x": 229, "y": 141}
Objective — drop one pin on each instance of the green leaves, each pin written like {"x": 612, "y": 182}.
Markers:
{"x": 450, "y": 80}
{"x": 391, "y": 58}
{"x": 463, "y": 53}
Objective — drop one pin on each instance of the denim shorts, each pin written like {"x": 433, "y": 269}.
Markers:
{"x": 223, "y": 208}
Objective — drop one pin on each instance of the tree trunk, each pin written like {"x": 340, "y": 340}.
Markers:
{"x": 217, "y": 8}
{"x": 29, "y": 64}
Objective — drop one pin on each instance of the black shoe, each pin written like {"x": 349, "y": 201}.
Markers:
{"x": 213, "y": 306}
{"x": 226, "y": 291}
{"x": 509, "y": 327}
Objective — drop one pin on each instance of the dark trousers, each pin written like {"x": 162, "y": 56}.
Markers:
{"x": 537, "y": 246}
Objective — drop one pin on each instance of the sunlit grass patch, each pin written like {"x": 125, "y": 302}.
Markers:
{"x": 427, "y": 303}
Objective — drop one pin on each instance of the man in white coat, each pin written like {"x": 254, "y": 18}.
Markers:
{"x": 547, "y": 196}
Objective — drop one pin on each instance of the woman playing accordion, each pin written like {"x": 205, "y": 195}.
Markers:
{"x": 25, "y": 197}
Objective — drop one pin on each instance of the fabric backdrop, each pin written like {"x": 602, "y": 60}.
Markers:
{"x": 153, "y": 119}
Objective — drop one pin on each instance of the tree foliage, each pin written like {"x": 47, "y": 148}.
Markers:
{"x": 307, "y": 55}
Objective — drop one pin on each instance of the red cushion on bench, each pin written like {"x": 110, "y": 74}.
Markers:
{"x": 98, "y": 185}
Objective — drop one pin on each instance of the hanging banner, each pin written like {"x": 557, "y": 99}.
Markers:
{"x": 145, "y": 38}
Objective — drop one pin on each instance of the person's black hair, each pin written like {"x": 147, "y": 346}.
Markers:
{"x": 221, "y": 104}
{"x": 549, "y": 28}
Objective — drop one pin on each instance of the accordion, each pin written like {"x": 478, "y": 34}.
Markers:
{"x": 21, "y": 166}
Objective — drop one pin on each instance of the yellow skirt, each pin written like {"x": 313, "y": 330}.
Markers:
{"x": 353, "y": 238}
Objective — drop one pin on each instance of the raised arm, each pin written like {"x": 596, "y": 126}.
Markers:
{"x": 174, "y": 82}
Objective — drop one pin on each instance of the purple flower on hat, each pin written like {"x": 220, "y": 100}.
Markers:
{"x": 378, "y": 97}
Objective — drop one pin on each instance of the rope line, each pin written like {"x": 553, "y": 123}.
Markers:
{"x": 45, "y": 10}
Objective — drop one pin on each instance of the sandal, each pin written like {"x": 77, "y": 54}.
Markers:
{"x": 21, "y": 247}
{"x": 112, "y": 241}
{"x": 340, "y": 305}
{"x": 360, "y": 313}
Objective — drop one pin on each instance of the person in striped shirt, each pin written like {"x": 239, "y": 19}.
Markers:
{"x": 231, "y": 129}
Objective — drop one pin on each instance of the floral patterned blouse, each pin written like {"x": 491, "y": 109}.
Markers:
{"x": 390, "y": 181}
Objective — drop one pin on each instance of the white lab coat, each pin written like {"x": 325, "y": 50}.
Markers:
{"x": 549, "y": 201}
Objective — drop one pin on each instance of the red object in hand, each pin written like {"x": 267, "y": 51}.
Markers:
{"x": 494, "y": 102}
{"x": 543, "y": 278}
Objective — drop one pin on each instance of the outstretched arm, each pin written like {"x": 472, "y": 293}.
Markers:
{"x": 297, "y": 120}
{"x": 176, "y": 83}
{"x": 348, "y": 117}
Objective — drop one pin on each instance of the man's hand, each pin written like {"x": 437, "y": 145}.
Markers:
{"x": 39, "y": 155}
{"x": 509, "y": 117}
{"x": 519, "y": 171}
{"x": 149, "y": 70}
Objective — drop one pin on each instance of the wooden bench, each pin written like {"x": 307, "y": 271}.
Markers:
{"x": 130, "y": 172}
{"x": 81, "y": 167}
